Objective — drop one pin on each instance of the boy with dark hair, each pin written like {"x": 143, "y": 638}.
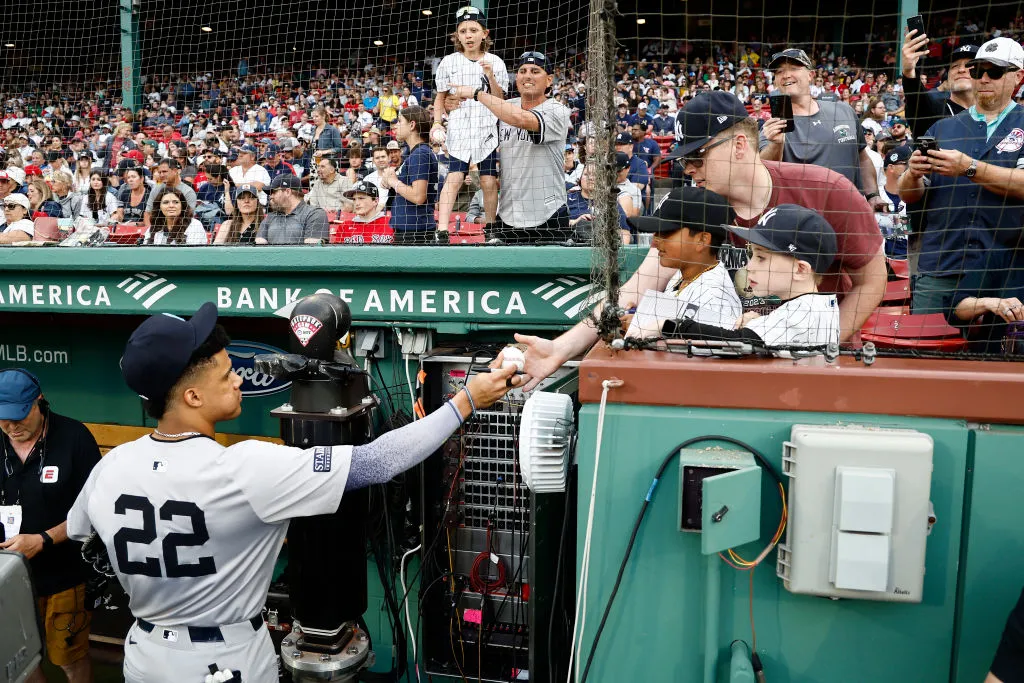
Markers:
{"x": 689, "y": 228}
{"x": 790, "y": 248}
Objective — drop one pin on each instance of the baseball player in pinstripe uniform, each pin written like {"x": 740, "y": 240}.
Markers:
{"x": 193, "y": 528}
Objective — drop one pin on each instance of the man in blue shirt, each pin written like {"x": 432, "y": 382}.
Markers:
{"x": 973, "y": 184}
{"x": 664, "y": 123}
{"x": 642, "y": 118}
{"x": 644, "y": 147}
{"x": 420, "y": 91}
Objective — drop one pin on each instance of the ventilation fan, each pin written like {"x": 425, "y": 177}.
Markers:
{"x": 545, "y": 439}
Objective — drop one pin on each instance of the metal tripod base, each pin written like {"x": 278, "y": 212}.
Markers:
{"x": 343, "y": 666}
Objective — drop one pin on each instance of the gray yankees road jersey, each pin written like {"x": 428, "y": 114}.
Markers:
{"x": 193, "y": 528}
{"x": 533, "y": 166}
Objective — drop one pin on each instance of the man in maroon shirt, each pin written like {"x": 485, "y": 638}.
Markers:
{"x": 719, "y": 147}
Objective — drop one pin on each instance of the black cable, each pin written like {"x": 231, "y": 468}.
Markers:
{"x": 558, "y": 583}
{"x": 640, "y": 518}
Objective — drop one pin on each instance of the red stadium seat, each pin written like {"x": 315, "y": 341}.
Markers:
{"x": 897, "y": 293}
{"x": 464, "y": 237}
{"x": 898, "y": 268}
{"x": 126, "y": 233}
{"x": 332, "y": 215}
{"x": 928, "y": 332}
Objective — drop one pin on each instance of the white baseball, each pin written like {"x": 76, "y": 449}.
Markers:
{"x": 438, "y": 135}
{"x": 512, "y": 357}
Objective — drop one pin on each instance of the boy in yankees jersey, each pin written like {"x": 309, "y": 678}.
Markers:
{"x": 471, "y": 136}
{"x": 193, "y": 529}
{"x": 689, "y": 228}
{"x": 790, "y": 249}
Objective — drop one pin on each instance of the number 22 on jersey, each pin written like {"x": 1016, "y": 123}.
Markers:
{"x": 151, "y": 566}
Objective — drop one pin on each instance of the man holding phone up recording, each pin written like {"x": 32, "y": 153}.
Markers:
{"x": 971, "y": 179}
{"x": 925, "y": 107}
{"x": 824, "y": 133}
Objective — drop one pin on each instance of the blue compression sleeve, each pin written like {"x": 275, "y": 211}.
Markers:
{"x": 384, "y": 458}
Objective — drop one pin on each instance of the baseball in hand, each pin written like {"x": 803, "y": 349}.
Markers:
{"x": 512, "y": 357}
{"x": 437, "y": 135}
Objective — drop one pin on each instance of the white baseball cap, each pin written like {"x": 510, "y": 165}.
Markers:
{"x": 16, "y": 174}
{"x": 1001, "y": 52}
{"x": 20, "y": 199}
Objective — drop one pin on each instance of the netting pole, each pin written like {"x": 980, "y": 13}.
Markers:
{"x": 601, "y": 107}
{"x": 131, "y": 88}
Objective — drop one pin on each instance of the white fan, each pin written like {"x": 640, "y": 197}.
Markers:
{"x": 545, "y": 437}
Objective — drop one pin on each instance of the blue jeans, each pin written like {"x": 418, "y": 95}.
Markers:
{"x": 933, "y": 293}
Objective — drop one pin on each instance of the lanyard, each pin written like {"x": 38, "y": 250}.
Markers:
{"x": 40, "y": 445}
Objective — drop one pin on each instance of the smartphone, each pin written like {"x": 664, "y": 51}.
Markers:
{"x": 782, "y": 108}
{"x": 916, "y": 23}
{"x": 925, "y": 143}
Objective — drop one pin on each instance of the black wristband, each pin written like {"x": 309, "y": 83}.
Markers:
{"x": 47, "y": 541}
{"x": 871, "y": 195}
{"x": 476, "y": 94}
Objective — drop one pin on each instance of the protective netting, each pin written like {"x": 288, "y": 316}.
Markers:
{"x": 525, "y": 147}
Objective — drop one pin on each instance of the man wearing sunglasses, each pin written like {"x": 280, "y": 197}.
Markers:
{"x": 972, "y": 183}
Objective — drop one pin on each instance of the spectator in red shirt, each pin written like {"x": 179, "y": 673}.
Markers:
{"x": 721, "y": 154}
{"x": 369, "y": 225}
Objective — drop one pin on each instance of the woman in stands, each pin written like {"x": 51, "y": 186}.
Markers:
{"x": 173, "y": 222}
{"x": 17, "y": 224}
{"x": 100, "y": 204}
{"x": 118, "y": 144}
{"x": 241, "y": 228}
{"x": 83, "y": 171}
{"x": 40, "y": 196}
{"x": 132, "y": 197}
{"x": 326, "y": 138}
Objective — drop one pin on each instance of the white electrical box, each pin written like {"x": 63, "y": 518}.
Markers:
{"x": 858, "y": 512}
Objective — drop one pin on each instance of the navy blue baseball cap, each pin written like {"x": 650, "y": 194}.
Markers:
{"x": 624, "y": 139}
{"x": 621, "y": 161}
{"x": 796, "y": 231}
{"x": 233, "y": 154}
{"x": 696, "y": 208}
{"x": 964, "y": 51}
{"x": 159, "y": 350}
{"x": 536, "y": 58}
{"x": 248, "y": 149}
{"x": 19, "y": 389}
{"x": 899, "y": 155}
{"x": 273, "y": 149}
{"x": 470, "y": 13}
{"x": 247, "y": 187}
{"x": 704, "y": 117}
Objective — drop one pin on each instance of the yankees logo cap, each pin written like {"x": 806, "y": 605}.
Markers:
{"x": 1004, "y": 52}
{"x": 964, "y": 51}
{"x": 160, "y": 348}
{"x": 704, "y": 117}
{"x": 696, "y": 208}
{"x": 794, "y": 230}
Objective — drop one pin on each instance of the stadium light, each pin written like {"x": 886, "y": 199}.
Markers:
{"x": 641, "y": 21}
{"x": 427, "y": 12}
{"x": 8, "y": 44}
{"x": 378, "y": 43}
{"x": 206, "y": 29}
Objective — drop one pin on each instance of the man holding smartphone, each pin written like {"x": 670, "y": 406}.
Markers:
{"x": 971, "y": 182}
{"x": 925, "y": 107}
{"x": 824, "y": 133}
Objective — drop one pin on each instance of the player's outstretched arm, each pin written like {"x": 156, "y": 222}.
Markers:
{"x": 544, "y": 356}
{"x": 393, "y": 453}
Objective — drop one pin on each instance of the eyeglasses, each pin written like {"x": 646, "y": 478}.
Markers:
{"x": 12, "y": 207}
{"x": 697, "y": 159}
{"x": 994, "y": 72}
